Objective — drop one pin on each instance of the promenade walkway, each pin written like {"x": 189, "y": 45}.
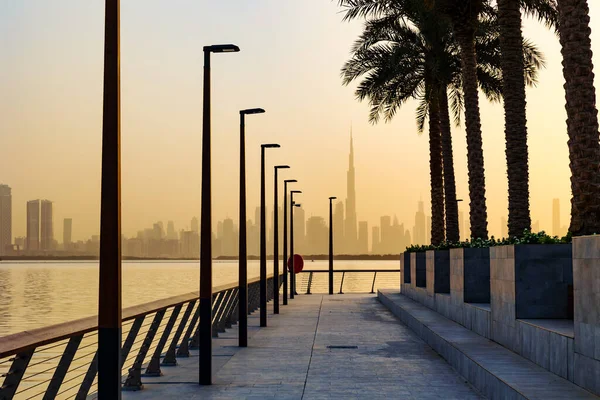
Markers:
{"x": 291, "y": 358}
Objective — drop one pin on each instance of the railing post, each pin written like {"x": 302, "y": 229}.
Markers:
{"x": 342, "y": 283}
{"x": 217, "y": 306}
{"x": 134, "y": 376}
{"x": 153, "y": 368}
{"x": 88, "y": 380}
{"x": 170, "y": 360}
{"x": 373, "y": 285}
{"x": 133, "y": 332}
{"x": 310, "y": 277}
{"x": 184, "y": 347}
{"x": 62, "y": 367}
{"x": 15, "y": 374}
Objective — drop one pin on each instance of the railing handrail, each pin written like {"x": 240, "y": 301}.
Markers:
{"x": 351, "y": 270}
{"x": 22, "y": 341}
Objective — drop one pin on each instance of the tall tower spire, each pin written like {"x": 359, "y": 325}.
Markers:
{"x": 350, "y": 226}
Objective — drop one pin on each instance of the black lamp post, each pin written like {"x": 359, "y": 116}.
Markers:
{"x": 285, "y": 248}
{"x": 205, "y": 325}
{"x": 292, "y": 272}
{"x": 109, "y": 290}
{"x": 331, "y": 244}
{"x": 243, "y": 249}
{"x": 276, "y": 243}
{"x": 263, "y": 236}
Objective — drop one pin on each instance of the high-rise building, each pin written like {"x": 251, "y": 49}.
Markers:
{"x": 195, "y": 227}
{"x": 316, "y": 235}
{"x": 385, "y": 224}
{"x": 420, "y": 229}
{"x": 375, "y": 243}
{"x": 338, "y": 228}
{"x": 229, "y": 239}
{"x": 300, "y": 245}
{"x": 556, "y": 217}
{"x": 351, "y": 234}
{"x": 47, "y": 226}
{"x": 5, "y": 218}
{"x": 363, "y": 237}
{"x": 427, "y": 230}
{"x": 171, "y": 234}
{"x": 33, "y": 225}
{"x": 535, "y": 227}
{"x": 67, "y": 232}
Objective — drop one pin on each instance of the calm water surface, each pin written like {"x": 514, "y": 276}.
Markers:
{"x": 37, "y": 294}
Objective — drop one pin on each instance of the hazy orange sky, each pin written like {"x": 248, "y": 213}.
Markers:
{"x": 51, "y": 105}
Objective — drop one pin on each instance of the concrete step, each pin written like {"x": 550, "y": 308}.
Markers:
{"x": 495, "y": 371}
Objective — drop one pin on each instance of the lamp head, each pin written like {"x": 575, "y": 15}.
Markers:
{"x": 332, "y": 198}
{"x": 270, "y": 145}
{"x": 281, "y": 166}
{"x": 296, "y": 191}
{"x": 222, "y": 48}
{"x": 252, "y": 111}
{"x": 457, "y": 200}
{"x": 290, "y": 180}
{"x": 297, "y": 204}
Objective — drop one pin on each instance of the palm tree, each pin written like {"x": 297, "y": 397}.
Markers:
{"x": 401, "y": 60}
{"x": 582, "y": 116}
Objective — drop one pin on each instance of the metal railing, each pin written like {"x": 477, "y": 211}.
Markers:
{"x": 351, "y": 280}
{"x": 60, "y": 361}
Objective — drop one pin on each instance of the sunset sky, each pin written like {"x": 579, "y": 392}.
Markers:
{"x": 292, "y": 52}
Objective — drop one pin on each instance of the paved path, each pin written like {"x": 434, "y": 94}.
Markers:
{"x": 290, "y": 359}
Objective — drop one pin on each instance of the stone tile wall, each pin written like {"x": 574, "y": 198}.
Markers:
{"x": 420, "y": 271}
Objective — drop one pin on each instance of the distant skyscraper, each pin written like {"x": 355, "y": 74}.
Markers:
{"x": 47, "y": 226}
{"x": 33, "y": 225}
{"x": 363, "y": 237}
{"x": 5, "y": 218}
{"x": 194, "y": 225}
{"x": 338, "y": 228}
{"x": 427, "y": 230}
{"x": 556, "y": 217}
{"x": 385, "y": 224}
{"x": 535, "y": 227}
{"x": 316, "y": 236}
{"x": 351, "y": 234}
{"x": 503, "y": 228}
{"x": 420, "y": 229}
{"x": 67, "y": 232}
{"x": 229, "y": 242}
{"x": 300, "y": 245}
{"x": 171, "y": 234}
{"x": 375, "y": 244}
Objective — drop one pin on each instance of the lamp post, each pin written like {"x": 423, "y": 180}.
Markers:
{"x": 243, "y": 249}
{"x": 276, "y": 243}
{"x": 109, "y": 289}
{"x": 263, "y": 236}
{"x": 205, "y": 325}
{"x": 293, "y": 274}
{"x": 285, "y": 248}
{"x": 331, "y": 244}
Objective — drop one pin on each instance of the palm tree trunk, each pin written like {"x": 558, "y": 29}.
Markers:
{"x": 478, "y": 209}
{"x": 452, "y": 233}
{"x": 513, "y": 90}
{"x": 582, "y": 116}
{"x": 436, "y": 171}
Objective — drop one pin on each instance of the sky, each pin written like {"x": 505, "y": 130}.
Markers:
{"x": 289, "y": 64}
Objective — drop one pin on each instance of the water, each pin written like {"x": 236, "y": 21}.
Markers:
{"x": 38, "y": 294}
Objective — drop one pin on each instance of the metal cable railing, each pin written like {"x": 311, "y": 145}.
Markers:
{"x": 347, "y": 280}
{"x": 60, "y": 361}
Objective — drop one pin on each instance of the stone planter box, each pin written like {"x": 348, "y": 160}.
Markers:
{"x": 528, "y": 282}
{"x": 441, "y": 270}
{"x": 406, "y": 267}
{"x": 586, "y": 274}
{"x": 419, "y": 267}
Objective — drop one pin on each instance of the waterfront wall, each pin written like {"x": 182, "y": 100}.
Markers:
{"x": 540, "y": 301}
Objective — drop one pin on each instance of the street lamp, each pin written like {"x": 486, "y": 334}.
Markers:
{"x": 276, "y": 243}
{"x": 205, "y": 306}
{"x": 285, "y": 248}
{"x": 331, "y": 244}
{"x": 243, "y": 249}
{"x": 109, "y": 288}
{"x": 293, "y": 275}
{"x": 263, "y": 236}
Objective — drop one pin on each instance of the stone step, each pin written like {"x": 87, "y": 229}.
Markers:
{"x": 495, "y": 371}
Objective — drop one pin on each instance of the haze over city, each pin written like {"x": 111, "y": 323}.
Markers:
{"x": 50, "y": 116}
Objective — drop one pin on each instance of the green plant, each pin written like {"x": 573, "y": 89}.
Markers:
{"x": 527, "y": 238}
